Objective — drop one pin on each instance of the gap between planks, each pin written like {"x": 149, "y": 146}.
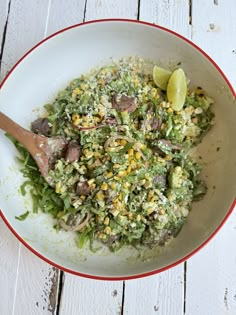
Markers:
{"x": 4, "y": 33}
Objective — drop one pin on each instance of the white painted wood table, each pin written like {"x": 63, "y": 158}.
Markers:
{"x": 206, "y": 283}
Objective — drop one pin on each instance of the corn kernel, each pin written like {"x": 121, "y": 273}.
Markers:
{"x": 137, "y": 155}
{"x": 100, "y": 196}
{"x": 131, "y": 152}
{"x": 161, "y": 211}
{"x": 107, "y": 230}
{"x": 168, "y": 158}
{"x": 101, "y": 114}
{"x": 84, "y": 86}
{"x": 102, "y": 236}
{"x": 58, "y": 187}
{"x": 75, "y": 119}
{"x": 114, "y": 212}
{"x": 116, "y": 165}
{"x": 130, "y": 215}
{"x": 108, "y": 175}
{"x": 138, "y": 218}
{"x": 106, "y": 221}
{"x": 88, "y": 154}
{"x": 92, "y": 186}
{"x": 113, "y": 185}
{"x": 91, "y": 181}
{"x": 170, "y": 110}
{"x": 104, "y": 186}
{"x": 128, "y": 169}
{"x": 126, "y": 185}
{"x": 147, "y": 137}
{"x": 77, "y": 91}
{"x": 149, "y": 210}
{"x": 122, "y": 173}
{"x": 123, "y": 142}
{"x": 82, "y": 197}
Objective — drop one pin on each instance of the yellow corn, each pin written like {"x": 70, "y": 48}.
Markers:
{"x": 128, "y": 169}
{"x": 138, "y": 218}
{"x": 122, "y": 173}
{"x": 106, "y": 221}
{"x": 58, "y": 187}
{"x": 137, "y": 155}
{"x": 149, "y": 210}
{"x": 77, "y": 91}
{"x": 126, "y": 185}
{"x": 131, "y": 152}
{"x": 168, "y": 158}
{"x": 116, "y": 166}
{"x": 120, "y": 196}
{"x": 107, "y": 230}
{"x": 123, "y": 142}
{"x": 102, "y": 236}
{"x": 108, "y": 174}
{"x": 104, "y": 186}
{"x": 76, "y": 119}
{"x": 113, "y": 185}
{"x": 114, "y": 212}
{"x": 100, "y": 196}
{"x": 170, "y": 110}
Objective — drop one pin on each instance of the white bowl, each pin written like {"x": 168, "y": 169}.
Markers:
{"x": 48, "y": 68}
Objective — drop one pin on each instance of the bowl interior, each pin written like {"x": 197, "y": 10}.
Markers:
{"x": 47, "y": 70}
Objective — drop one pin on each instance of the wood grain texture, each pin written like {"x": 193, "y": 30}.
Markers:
{"x": 160, "y": 294}
{"x": 4, "y": 5}
{"x": 211, "y": 275}
{"x": 163, "y": 293}
{"x": 214, "y": 29}
{"x": 9, "y": 254}
{"x": 168, "y": 13}
{"x": 86, "y": 297}
{"x": 63, "y": 15}
{"x": 100, "y": 9}
{"x": 26, "y": 26}
{"x": 37, "y": 285}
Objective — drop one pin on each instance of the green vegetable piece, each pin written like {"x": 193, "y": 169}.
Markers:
{"x": 23, "y": 216}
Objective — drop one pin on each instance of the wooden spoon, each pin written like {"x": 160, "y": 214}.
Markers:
{"x": 44, "y": 150}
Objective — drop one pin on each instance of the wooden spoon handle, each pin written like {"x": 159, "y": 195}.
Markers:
{"x": 24, "y": 136}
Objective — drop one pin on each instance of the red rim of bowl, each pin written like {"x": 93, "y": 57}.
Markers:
{"x": 174, "y": 263}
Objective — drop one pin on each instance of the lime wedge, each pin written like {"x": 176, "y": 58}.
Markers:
{"x": 177, "y": 89}
{"x": 161, "y": 77}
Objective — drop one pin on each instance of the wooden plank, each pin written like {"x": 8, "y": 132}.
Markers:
{"x": 168, "y": 13}
{"x": 100, "y": 9}
{"x": 9, "y": 249}
{"x": 214, "y": 29}
{"x": 85, "y": 296}
{"x": 26, "y": 26}
{"x": 63, "y": 15}
{"x": 37, "y": 285}
{"x": 163, "y": 293}
{"x": 30, "y": 285}
{"x": 211, "y": 274}
{"x": 160, "y": 294}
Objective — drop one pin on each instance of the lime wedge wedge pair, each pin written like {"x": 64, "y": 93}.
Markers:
{"x": 174, "y": 83}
